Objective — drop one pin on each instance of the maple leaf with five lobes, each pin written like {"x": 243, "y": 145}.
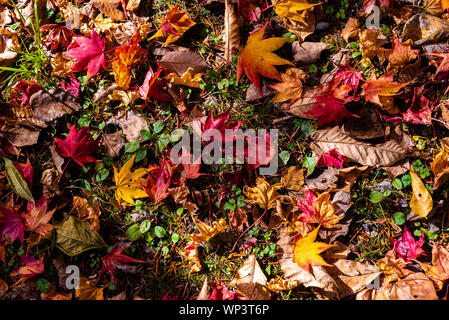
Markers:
{"x": 401, "y": 54}
{"x": 116, "y": 258}
{"x": 77, "y": 146}
{"x": 128, "y": 184}
{"x": 380, "y": 90}
{"x": 330, "y": 106}
{"x": 262, "y": 194}
{"x": 406, "y": 247}
{"x": 89, "y": 52}
{"x": 36, "y": 217}
{"x": 306, "y": 252}
{"x": 345, "y": 75}
{"x": 211, "y": 125}
{"x": 291, "y": 86}
{"x": 127, "y": 57}
{"x": 258, "y": 58}
{"x": 318, "y": 210}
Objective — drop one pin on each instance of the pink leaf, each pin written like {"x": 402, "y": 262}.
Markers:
{"x": 331, "y": 158}
{"x": 407, "y": 248}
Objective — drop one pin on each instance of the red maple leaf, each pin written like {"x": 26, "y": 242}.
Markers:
{"x": 158, "y": 181}
{"x": 11, "y": 225}
{"x": 58, "y": 37}
{"x": 31, "y": 268}
{"x": 212, "y": 127}
{"x": 73, "y": 87}
{"x": 346, "y": 75}
{"x": 152, "y": 87}
{"x": 89, "y": 52}
{"x": 27, "y": 171}
{"x": 116, "y": 258}
{"x": 77, "y": 146}
{"x": 307, "y": 206}
{"x": 331, "y": 158}
{"x": 259, "y": 150}
{"x": 188, "y": 167}
{"x": 221, "y": 292}
{"x": 250, "y": 9}
{"x": 331, "y": 106}
{"x": 37, "y": 217}
{"x": 27, "y": 88}
{"x": 407, "y": 248}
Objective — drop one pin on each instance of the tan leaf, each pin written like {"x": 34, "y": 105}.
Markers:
{"x": 382, "y": 154}
{"x": 262, "y": 194}
{"x": 278, "y": 284}
{"x": 207, "y": 231}
{"x": 232, "y": 25}
{"x": 251, "y": 280}
{"x": 89, "y": 211}
{"x": 88, "y": 290}
{"x": 293, "y": 178}
{"x": 351, "y": 29}
{"x": 421, "y": 202}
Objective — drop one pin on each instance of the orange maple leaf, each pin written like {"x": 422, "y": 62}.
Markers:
{"x": 128, "y": 57}
{"x": 291, "y": 86}
{"x": 306, "y": 252}
{"x": 380, "y": 91}
{"x": 401, "y": 54}
{"x": 258, "y": 58}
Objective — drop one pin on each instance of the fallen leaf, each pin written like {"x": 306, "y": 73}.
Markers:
{"x": 251, "y": 281}
{"x": 17, "y": 181}
{"x": 207, "y": 231}
{"x": 257, "y": 58}
{"x": 53, "y": 104}
{"x": 306, "y": 252}
{"x": 308, "y": 52}
{"x": 262, "y": 194}
{"x": 87, "y": 210}
{"x": 421, "y": 202}
{"x": 74, "y": 236}
{"x": 88, "y": 290}
{"x": 129, "y": 184}
{"x": 291, "y": 86}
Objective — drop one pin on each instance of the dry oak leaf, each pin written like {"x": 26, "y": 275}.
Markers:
{"x": 88, "y": 290}
{"x": 290, "y": 9}
{"x": 421, "y": 202}
{"x": 306, "y": 252}
{"x": 291, "y": 86}
{"x": 381, "y": 90}
{"x": 262, "y": 194}
{"x": 129, "y": 184}
{"x": 207, "y": 231}
{"x": 258, "y": 58}
{"x": 251, "y": 280}
{"x": 382, "y": 154}
{"x": 401, "y": 54}
{"x": 175, "y": 23}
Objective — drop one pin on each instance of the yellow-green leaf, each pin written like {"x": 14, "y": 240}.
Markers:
{"x": 74, "y": 236}
{"x": 17, "y": 182}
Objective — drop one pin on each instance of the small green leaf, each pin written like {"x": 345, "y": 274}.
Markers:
{"x": 175, "y": 237}
{"x": 398, "y": 218}
{"x": 285, "y": 156}
{"x": 145, "y": 226}
{"x": 309, "y": 164}
{"x": 132, "y": 146}
{"x": 159, "y": 231}
{"x": 397, "y": 184}
{"x": 376, "y": 196}
{"x": 158, "y": 127}
{"x": 133, "y": 233}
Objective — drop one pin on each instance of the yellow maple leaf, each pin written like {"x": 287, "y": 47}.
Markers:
{"x": 290, "y": 9}
{"x": 421, "y": 202}
{"x": 128, "y": 183}
{"x": 306, "y": 252}
{"x": 440, "y": 169}
{"x": 258, "y": 58}
{"x": 186, "y": 79}
{"x": 175, "y": 23}
{"x": 207, "y": 231}
{"x": 262, "y": 194}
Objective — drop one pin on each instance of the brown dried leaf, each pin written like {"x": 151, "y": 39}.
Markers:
{"x": 53, "y": 104}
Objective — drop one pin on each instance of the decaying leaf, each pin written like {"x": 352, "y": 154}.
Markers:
{"x": 251, "y": 280}
{"x": 207, "y": 231}
{"x": 88, "y": 290}
{"x": 262, "y": 194}
{"x": 421, "y": 202}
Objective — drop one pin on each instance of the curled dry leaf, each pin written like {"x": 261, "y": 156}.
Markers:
{"x": 308, "y": 52}
{"x": 190, "y": 253}
{"x": 9, "y": 45}
{"x": 89, "y": 211}
{"x": 207, "y": 231}
{"x": 382, "y": 154}
{"x": 53, "y": 104}
{"x": 251, "y": 280}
